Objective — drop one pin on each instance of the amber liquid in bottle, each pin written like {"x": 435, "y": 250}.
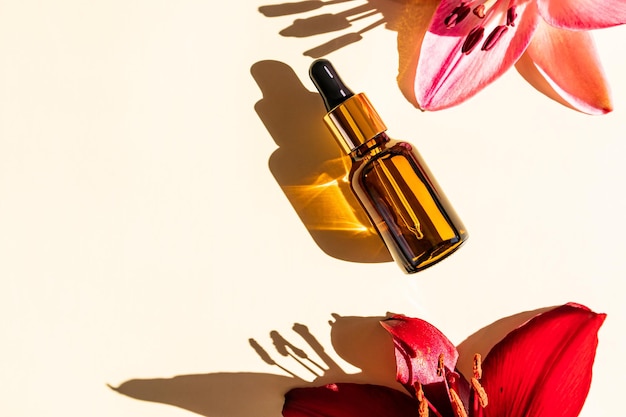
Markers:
{"x": 389, "y": 178}
{"x": 404, "y": 203}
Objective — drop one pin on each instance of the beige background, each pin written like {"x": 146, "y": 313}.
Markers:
{"x": 161, "y": 204}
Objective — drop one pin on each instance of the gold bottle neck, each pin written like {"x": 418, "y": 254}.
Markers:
{"x": 354, "y": 122}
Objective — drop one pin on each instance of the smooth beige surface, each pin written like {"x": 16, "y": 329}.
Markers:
{"x": 167, "y": 193}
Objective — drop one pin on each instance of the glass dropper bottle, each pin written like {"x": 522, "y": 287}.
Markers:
{"x": 389, "y": 178}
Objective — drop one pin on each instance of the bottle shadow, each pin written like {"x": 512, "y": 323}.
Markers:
{"x": 360, "y": 341}
{"x": 310, "y": 167}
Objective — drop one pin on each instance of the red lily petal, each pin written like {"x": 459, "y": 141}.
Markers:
{"x": 446, "y": 76}
{"x": 567, "y": 60}
{"x": 418, "y": 345}
{"x": 583, "y": 14}
{"x": 543, "y": 368}
{"x": 349, "y": 400}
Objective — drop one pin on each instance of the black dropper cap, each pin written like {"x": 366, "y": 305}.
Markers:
{"x": 329, "y": 84}
{"x": 351, "y": 118}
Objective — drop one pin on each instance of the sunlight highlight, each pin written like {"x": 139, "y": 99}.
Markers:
{"x": 324, "y": 201}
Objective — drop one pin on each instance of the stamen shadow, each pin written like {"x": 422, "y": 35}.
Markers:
{"x": 245, "y": 394}
{"x": 310, "y": 168}
{"x": 409, "y": 18}
{"x": 369, "y": 15}
{"x": 360, "y": 341}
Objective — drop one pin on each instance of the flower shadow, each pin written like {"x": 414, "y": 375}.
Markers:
{"x": 360, "y": 341}
{"x": 246, "y": 394}
{"x": 409, "y": 18}
{"x": 310, "y": 167}
{"x": 347, "y": 25}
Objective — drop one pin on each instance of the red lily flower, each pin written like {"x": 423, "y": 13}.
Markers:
{"x": 470, "y": 43}
{"x": 541, "y": 368}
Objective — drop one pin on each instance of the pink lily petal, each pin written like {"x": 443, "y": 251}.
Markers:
{"x": 446, "y": 76}
{"x": 349, "y": 400}
{"x": 568, "y": 62}
{"x": 543, "y": 368}
{"x": 412, "y": 26}
{"x": 583, "y": 14}
{"x": 527, "y": 69}
{"x": 418, "y": 345}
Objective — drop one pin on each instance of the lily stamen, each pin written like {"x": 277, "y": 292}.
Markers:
{"x": 457, "y": 404}
{"x": 423, "y": 409}
{"x": 482, "y": 9}
{"x": 511, "y": 15}
{"x": 440, "y": 365}
{"x": 472, "y": 39}
{"x": 423, "y": 402}
{"x": 480, "y": 392}
{"x": 478, "y": 368}
{"x": 457, "y": 15}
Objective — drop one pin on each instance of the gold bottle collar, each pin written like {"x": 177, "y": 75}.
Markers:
{"x": 354, "y": 122}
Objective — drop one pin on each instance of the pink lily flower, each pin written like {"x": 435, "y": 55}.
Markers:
{"x": 470, "y": 43}
{"x": 541, "y": 368}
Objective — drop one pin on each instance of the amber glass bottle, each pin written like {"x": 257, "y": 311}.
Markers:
{"x": 401, "y": 197}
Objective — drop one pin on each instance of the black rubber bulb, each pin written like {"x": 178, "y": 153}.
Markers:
{"x": 329, "y": 84}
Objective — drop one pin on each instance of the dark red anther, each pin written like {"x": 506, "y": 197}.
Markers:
{"x": 457, "y": 15}
{"x": 472, "y": 39}
{"x": 493, "y": 37}
{"x": 511, "y": 15}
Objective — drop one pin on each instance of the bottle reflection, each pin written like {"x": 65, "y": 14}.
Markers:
{"x": 310, "y": 169}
